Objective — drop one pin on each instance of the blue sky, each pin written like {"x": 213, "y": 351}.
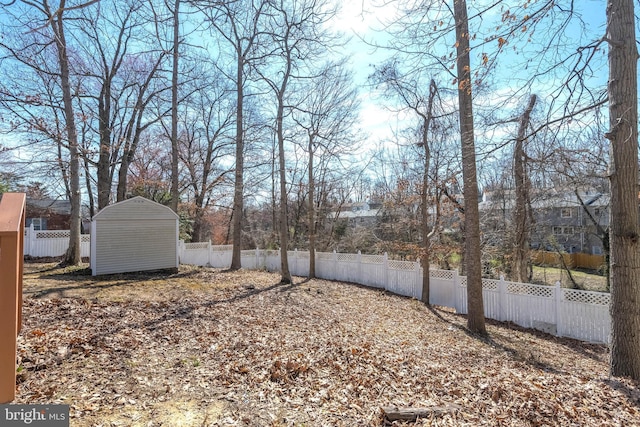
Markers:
{"x": 363, "y": 19}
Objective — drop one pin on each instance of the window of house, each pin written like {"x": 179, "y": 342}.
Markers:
{"x": 37, "y": 223}
{"x": 563, "y": 230}
{"x": 596, "y": 250}
{"x": 596, "y": 212}
{"x": 565, "y": 213}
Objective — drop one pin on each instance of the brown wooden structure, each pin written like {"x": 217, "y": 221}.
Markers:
{"x": 12, "y": 220}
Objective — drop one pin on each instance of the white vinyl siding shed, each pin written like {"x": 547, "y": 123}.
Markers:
{"x": 134, "y": 235}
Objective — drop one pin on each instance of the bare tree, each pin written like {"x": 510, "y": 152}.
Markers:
{"x": 328, "y": 114}
{"x": 298, "y": 36}
{"x": 522, "y": 211}
{"x": 408, "y": 90}
{"x": 239, "y": 24}
{"x": 118, "y": 69}
{"x": 55, "y": 21}
{"x": 205, "y": 144}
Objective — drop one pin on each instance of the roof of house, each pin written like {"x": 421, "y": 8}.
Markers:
{"x": 548, "y": 199}
{"x": 61, "y": 207}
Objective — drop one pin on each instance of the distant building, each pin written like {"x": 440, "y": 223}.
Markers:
{"x": 562, "y": 219}
{"x": 363, "y": 214}
{"x": 48, "y": 214}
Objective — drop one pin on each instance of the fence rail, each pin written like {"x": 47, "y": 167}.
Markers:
{"x": 582, "y": 315}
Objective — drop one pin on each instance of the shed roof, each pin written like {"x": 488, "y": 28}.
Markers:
{"x": 136, "y": 208}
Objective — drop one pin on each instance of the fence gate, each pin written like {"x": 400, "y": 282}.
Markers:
{"x": 12, "y": 213}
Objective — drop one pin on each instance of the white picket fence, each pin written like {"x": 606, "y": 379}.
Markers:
{"x": 52, "y": 243}
{"x": 582, "y": 315}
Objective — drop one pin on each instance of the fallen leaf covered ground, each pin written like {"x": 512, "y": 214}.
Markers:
{"x": 205, "y": 347}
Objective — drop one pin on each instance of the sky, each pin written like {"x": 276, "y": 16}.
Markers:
{"x": 363, "y": 19}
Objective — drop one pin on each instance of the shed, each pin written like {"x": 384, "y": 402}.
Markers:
{"x": 136, "y": 234}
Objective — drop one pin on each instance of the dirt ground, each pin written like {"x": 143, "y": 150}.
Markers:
{"x": 205, "y": 347}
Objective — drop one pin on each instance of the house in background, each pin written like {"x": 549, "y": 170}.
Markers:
{"x": 571, "y": 222}
{"x": 363, "y": 214}
{"x": 48, "y": 214}
{"x": 563, "y": 219}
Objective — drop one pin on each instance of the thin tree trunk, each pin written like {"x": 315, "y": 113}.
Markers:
{"x": 521, "y": 215}
{"x": 312, "y": 219}
{"x": 427, "y": 232}
{"x": 175, "y": 190}
{"x": 475, "y": 318}
{"x": 87, "y": 183}
{"x": 623, "y": 175}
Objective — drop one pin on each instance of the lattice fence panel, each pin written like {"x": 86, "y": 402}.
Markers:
{"x": 533, "y": 290}
{"x": 324, "y": 255}
{"x": 490, "y": 284}
{"x": 402, "y": 265}
{"x": 441, "y": 274}
{"x": 347, "y": 257}
{"x": 196, "y": 246}
{"x": 372, "y": 259}
{"x": 62, "y": 234}
{"x": 587, "y": 297}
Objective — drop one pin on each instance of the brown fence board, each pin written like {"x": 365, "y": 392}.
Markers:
{"x": 576, "y": 260}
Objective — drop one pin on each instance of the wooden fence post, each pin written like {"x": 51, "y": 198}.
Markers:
{"x": 12, "y": 217}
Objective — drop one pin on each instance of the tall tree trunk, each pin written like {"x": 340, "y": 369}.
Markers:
{"x": 312, "y": 216}
{"x": 623, "y": 176}
{"x": 521, "y": 214}
{"x": 103, "y": 170}
{"x": 238, "y": 188}
{"x": 427, "y": 232}
{"x": 87, "y": 183}
{"x": 128, "y": 153}
{"x": 175, "y": 190}
{"x": 285, "y": 274}
{"x": 475, "y": 318}
{"x": 72, "y": 256}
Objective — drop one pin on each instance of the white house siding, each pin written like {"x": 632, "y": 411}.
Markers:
{"x": 134, "y": 235}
